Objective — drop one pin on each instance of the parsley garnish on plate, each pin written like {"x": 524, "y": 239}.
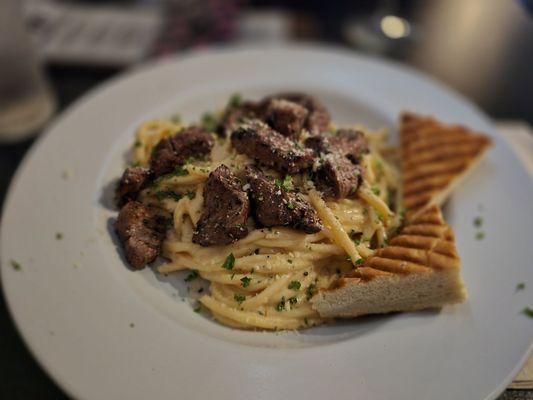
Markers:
{"x": 246, "y": 281}
{"x": 15, "y": 265}
{"x": 295, "y": 285}
{"x": 293, "y": 300}
{"x": 480, "y": 235}
{"x": 359, "y": 262}
{"x": 291, "y": 206}
{"x": 528, "y": 311}
{"x": 229, "y": 262}
{"x": 376, "y": 190}
{"x": 520, "y": 286}
{"x": 59, "y": 236}
{"x": 478, "y": 221}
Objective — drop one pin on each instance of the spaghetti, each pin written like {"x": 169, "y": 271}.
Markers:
{"x": 266, "y": 279}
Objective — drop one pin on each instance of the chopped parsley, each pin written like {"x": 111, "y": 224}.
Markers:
{"x": 59, "y": 236}
{"x": 281, "y": 304}
{"x": 167, "y": 194}
{"x": 402, "y": 215}
{"x": 239, "y": 298}
{"x": 528, "y": 311}
{"x": 359, "y": 262}
{"x": 132, "y": 325}
{"x": 137, "y": 143}
{"x": 229, "y": 262}
{"x": 348, "y": 258}
{"x": 520, "y": 286}
{"x": 289, "y": 261}
{"x": 191, "y": 194}
{"x": 291, "y": 206}
{"x": 311, "y": 291}
{"x": 179, "y": 170}
{"x": 235, "y": 100}
{"x": 376, "y": 190}
{"x": 209, "y": 122}
{"x": 295, "y": 285}
{"x": 192, "y": 276}
{"x": 285, "y": 184}
{"x": 478, "y": 221}
{"x": 293, "y": 300}
{"x": 15, "y": 265}
{"x": 480, "y": 235}
{"x": 379, "y": 170}
{"x": 246, "y": 281}
{"x": 197, "y": 309}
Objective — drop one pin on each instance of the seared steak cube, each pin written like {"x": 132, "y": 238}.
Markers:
{"x": 337, "y": 177}
{"x": 132, "y": 181}
{"x": 286, "y": 117}
{"x": 233, "y": 116}
{"x": 141, "y": 233}
{"x": 260, "y": 142}
{"x": 273, "y": 206}
{"x": 318, "y": 118}
{"x": 174, "y": 150}
{"x": 350, "y": 143}
{"x": 225, "y": 210}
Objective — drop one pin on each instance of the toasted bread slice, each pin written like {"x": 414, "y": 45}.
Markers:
{"x": 435, "y": 158}
{"x": 419, "y": 269}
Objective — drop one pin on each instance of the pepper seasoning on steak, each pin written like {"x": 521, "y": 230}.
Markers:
{"x": 234, "y": 115}
{"x": 132, "y": 181}
{"x": 349, "y": 142}
{"x": 141, "y": 233}
{"x": 273, "y": 206}
{"x": 318, "y": 118}
{"x": 286, "y": 117}
{"x": 260, "y": 142}
{"x": 337, "y": 177}
{"x": 174, "y": 150}
{"x": 225, "y": 210}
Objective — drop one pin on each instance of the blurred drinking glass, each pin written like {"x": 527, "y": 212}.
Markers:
{"x": 26, "y": 101}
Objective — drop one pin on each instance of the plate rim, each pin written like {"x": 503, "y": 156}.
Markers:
{"x": 140, "y": 69}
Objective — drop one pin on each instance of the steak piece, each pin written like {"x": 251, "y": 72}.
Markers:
{"x": 272, "y": 206}
{"x": 318, "y": 118}
{"x": 337, "y": 177}
{"x": 260, "y": 142}
{"x": 225, "y": 210}
{"x": 174, "y": 150}
{"x": 141, "y": 233}
{"x": 233, "y": 116}
{"x": 349, "y": 142}
{"x": 286, "y": 117}
{"x": 132, "y": 181}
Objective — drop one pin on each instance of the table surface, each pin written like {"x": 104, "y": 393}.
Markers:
{"x": 22, "y": 377}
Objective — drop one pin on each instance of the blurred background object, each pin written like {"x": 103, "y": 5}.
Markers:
{"x": 481, "y": 48}
{"x": 26, "y": 101}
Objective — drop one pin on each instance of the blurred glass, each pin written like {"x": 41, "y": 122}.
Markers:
{"x": 26, "y": 101}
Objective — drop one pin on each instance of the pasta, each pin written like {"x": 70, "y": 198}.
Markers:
{"x": 265, "y": 280}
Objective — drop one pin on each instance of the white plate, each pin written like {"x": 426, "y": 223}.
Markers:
{"x": 74, "y": 300}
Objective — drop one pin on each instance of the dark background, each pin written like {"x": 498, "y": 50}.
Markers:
{"x": 482, "y": 48}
